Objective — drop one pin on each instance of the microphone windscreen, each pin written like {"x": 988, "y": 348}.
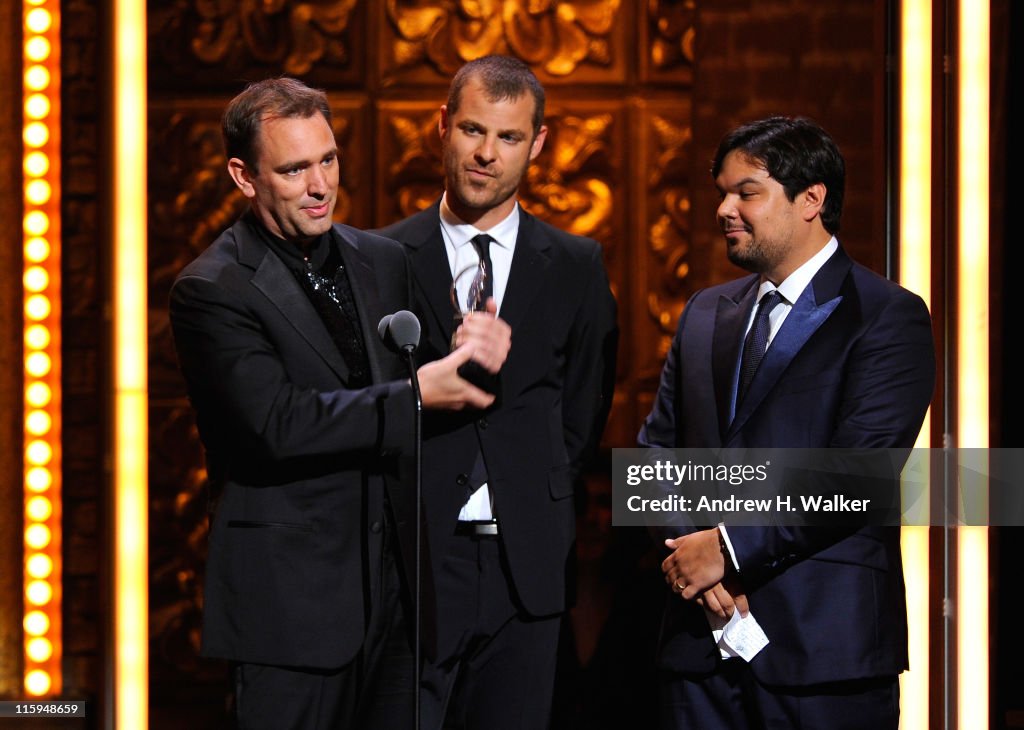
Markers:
{"x": 382, "y": 328}
{"x": 405, "y": 329}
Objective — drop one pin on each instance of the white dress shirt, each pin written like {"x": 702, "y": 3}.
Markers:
{"x": 462, "y": 254}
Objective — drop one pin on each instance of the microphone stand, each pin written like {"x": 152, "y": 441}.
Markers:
{"x": 409, "y": 351}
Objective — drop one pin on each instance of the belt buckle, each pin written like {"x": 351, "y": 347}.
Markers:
{"x": 477, "y": 528}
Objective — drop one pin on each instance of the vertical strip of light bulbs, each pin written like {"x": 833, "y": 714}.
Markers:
{"x": 42, "y": 363}
{"x": 915, "y": 244}
{"x": 973, "y": 350}
{"x": 131, "y": 307}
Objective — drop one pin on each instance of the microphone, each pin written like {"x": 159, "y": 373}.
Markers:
{"x": 400, "y": 331}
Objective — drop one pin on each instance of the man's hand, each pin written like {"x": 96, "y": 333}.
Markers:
{"x": 490, "y": 337}
{"x": 724, "y": 598}
{"x": 695, "y": 565}
{"x": 442, "y": 388}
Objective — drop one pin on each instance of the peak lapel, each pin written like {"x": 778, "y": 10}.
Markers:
{"x": 815, "y": 305}
{"x": 731, "y": 319}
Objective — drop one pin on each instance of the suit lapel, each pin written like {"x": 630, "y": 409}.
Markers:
{"x": 368, "y": 305}
{"x": 526, "y": 275}
{"x": 731, "y": 319}
{"x": 278, "y": 285}
{"x": 432, "y": 272}
{"x": 815, "y": 305}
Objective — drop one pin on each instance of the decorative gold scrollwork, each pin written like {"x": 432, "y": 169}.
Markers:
{"x": 294, "y": 35}
{"x": 669, "y": 233}
{"x": 556, "y": 35}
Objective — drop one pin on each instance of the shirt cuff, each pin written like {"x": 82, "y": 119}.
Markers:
{"x": 728, "y": 544}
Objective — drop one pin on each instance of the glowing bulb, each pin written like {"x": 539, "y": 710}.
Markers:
{"x": 37, "y": 249}
{"x": 37, "y": 683}
{"x": 38, "y": 479}
{"x": 38, "y": 592}
{"x": 36, "y": 134}
{"x": 36, "y": 279}
{"x": 38, "y": 453}
{"x": 36, "y": 623}
{"x": 37, "y": 192}
{"x": 38, "y": 394}
{"x": 37, "y": 336}
{"x": 36, "y": 223}
{"x": 37, "y": 307}
{"x": 38, "y": 20}
{"x": 37, "y": 78}
{"x": 38, "y": 423}
{"x": 37, "y": 536}
{"x": 39, "y": 649}
{"x": 37, "y": 163}
{"x": 37, "y": 364}
{"x": 39, "y": 566}
{"x": 37, "y": 49}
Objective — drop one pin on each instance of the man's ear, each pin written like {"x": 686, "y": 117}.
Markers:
{"x": 538, "y": 142}
{"x": 813, "y": 200}
{"x": 442, "y": 122}
{"x": 242, "y": 177}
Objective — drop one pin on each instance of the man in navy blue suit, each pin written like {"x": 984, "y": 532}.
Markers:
{"x": 810, "y": 351}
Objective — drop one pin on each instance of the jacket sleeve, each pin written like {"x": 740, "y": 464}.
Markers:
{"x": 237, "y": 379}
{"x": 590, "y": 370}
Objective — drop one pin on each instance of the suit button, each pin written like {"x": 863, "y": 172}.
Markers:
{"x": 462, "y": 480}
{"x": 482, "y": 423}
{"x": 376, "y": 527}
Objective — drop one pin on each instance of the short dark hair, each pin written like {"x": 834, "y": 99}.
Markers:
{"x": 797, "y": 153}
{"x": 278, "y": 97}
{"x": 503, "y": 77}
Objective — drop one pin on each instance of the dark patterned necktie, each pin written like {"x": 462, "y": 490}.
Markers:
{"x": 482, "y": 244}
{"x": 757, "y": 342}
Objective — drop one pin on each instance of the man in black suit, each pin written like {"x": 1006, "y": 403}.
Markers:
{"x": 304, "y": 415}
{"x": 499, "y": 482}
{"x": 811, "y": 351}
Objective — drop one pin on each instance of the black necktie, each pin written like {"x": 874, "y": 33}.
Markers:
{"x": 756, "y": 342}
{"x": 482, "y": 244}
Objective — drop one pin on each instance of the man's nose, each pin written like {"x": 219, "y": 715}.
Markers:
{"x": 316, "y": 181}
{"x": 485, "y": 152}
{"x": 727, "y": 208}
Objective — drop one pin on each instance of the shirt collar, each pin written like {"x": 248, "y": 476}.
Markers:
{"x": 459, "y": 232}
{"x": 794, "y": 284}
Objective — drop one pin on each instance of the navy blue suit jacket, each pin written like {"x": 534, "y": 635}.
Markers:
{"x": 853, "y": 366}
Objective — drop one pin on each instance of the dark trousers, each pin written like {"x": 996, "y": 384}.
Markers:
{"x": 733, "y": 699}
{"x": 372, "y": 692}
{"x": 497, "y": 670}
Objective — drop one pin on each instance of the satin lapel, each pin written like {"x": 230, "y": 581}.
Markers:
{"x": 815, "y": 305}
{"x": 527, "y": 272}
{"x": 365, "y": 287}
{"x": 731, "y": 318}
{"x": 278, "y": 284}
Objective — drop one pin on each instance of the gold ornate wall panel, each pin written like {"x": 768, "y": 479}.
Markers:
{"x": 615, "y": 168}
{"x": 201, "y": 45}
{"x": 564, "y": 41}
{"x": 667, "y": 34}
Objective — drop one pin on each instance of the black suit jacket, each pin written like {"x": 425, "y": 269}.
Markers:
{"x": 852, "y": 367}
{"x": 300, "y": 463}
{"x": 555, "y": 393}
